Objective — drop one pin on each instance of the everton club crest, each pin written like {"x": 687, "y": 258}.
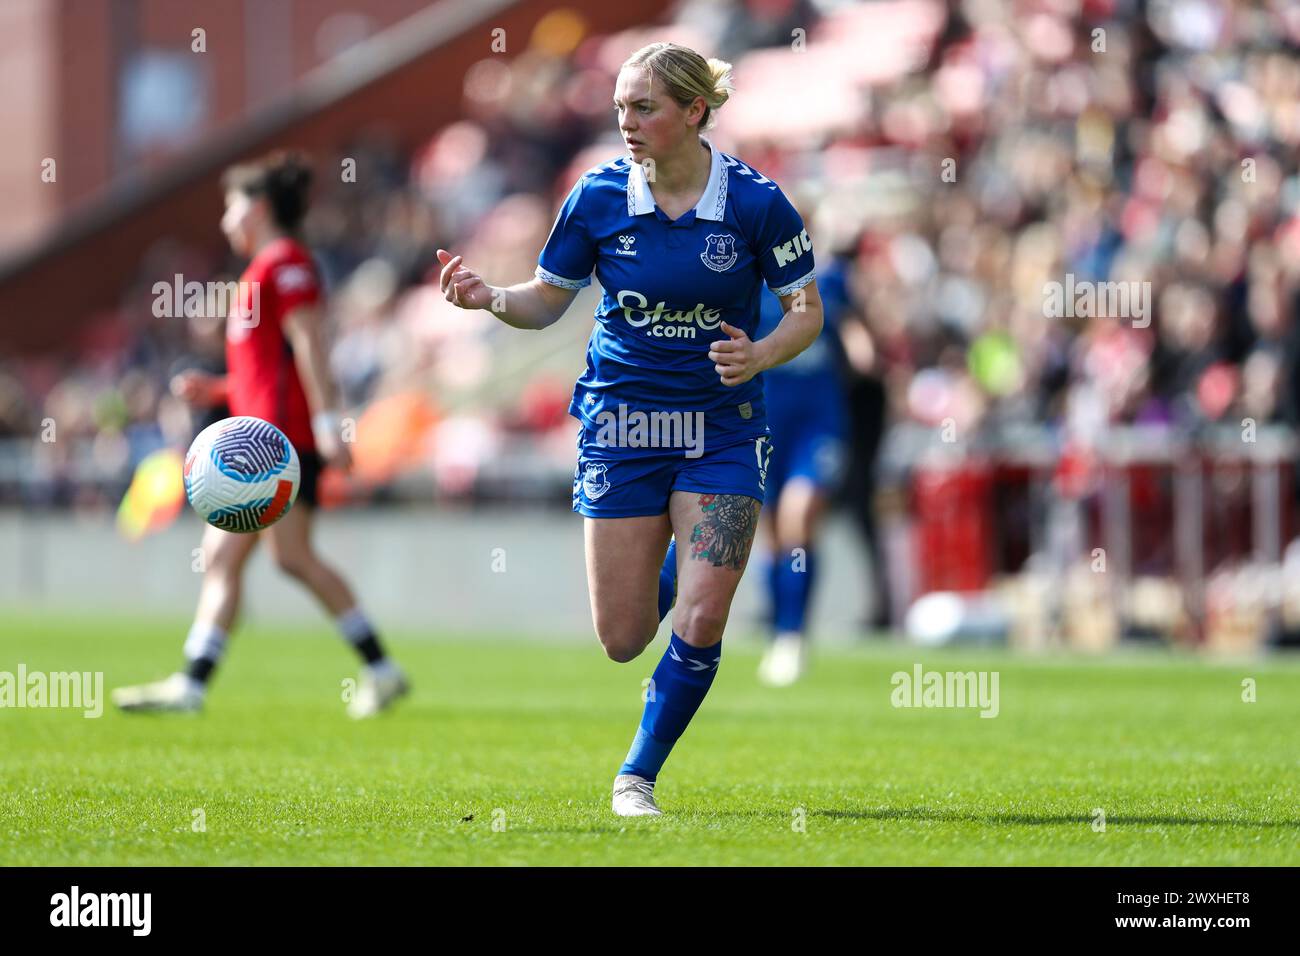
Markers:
{"x": 719, "y": 252}
{"x": 595, "y": 482}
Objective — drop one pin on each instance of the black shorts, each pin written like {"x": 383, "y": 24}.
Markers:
{"x": 309, "y": 480}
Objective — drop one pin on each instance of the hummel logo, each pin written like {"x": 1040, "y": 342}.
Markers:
{"x": 695, "y": 665}
{"x": 626, "y": 242}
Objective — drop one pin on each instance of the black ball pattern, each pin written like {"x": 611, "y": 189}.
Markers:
{"x": 251, "y": 451}
{"x": 243, "y": 519}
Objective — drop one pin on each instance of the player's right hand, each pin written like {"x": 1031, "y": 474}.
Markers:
{"x": 460, "y": 286}
{"x": 196, "y": 388}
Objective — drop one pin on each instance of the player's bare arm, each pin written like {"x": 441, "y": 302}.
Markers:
{"x": 534, "y": 304}
{"x": 202, "y": 389}
{"x": 303, "y": 327}
{"x": 738, "y": 358}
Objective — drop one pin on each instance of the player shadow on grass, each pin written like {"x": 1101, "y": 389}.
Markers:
{"x": 1042, "y": 819}
{"x": 938, "y": 816}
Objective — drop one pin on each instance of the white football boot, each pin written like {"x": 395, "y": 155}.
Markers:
{"x": 634, "y": 796}
{"x": 179, "y": 693}
{"x": 379, "y": 685}
{"x": 783, "y": 662}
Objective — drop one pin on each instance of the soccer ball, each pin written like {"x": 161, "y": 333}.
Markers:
{"x": 242, "y": 474}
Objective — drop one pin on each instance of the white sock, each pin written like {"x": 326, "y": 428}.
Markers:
{"x": 205, "y": 641}
{"x": 354, "y": 625}
{"x": 382, "y": 668}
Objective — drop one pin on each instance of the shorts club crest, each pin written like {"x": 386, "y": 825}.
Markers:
{"x": 595, "y": 481}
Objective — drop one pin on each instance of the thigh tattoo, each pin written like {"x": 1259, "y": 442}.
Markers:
{"x": 724, "y": 534}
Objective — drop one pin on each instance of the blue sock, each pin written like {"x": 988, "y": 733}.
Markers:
{"x": 668, "y": 580}
{"x": 677, "y": 688}
{"x": 773, "y": 579}
{"x": 793, "y": 591}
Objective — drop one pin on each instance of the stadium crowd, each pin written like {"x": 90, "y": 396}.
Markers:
{"x": 953, "y": 160}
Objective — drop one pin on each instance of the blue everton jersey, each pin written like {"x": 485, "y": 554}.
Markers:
{"x": 810, "y": 380}
{"x": 816, "y": 366}
{"x": 669, "y": 285}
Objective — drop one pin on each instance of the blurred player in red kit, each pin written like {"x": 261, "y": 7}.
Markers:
{"x": 277, "y": 370}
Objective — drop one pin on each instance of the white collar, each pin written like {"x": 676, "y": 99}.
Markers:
{"x": 712, "y": 205}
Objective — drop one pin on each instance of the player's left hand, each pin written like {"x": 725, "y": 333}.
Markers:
{"x": 735, "y": 358}
{"x": 326, "y": 428}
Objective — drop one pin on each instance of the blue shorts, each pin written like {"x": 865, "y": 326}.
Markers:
{"x": 610, "y": 483}
{"x": 814, "y": 454}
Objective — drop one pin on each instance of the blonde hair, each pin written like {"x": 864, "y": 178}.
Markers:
{"x": 685, "y": 75}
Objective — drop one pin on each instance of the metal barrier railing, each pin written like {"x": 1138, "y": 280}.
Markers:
{"x": 1146, "y": 510}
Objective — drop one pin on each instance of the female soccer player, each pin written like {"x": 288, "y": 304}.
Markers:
{"x": 276, "y": 370}
{"x": 673, "y": 437}
{"x": 805, "y": 403}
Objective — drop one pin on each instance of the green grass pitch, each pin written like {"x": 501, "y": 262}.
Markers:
{"x": 505, "y": 752}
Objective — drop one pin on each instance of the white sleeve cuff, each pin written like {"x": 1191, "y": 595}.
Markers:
{"x": 325, "y": 428}
{"x": 550, "y": 278}
{"x": 795, "y": 285}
